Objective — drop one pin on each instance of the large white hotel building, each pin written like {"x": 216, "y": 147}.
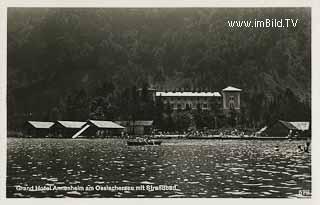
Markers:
{"x": 189, "y": 100}
{"x": 229, "y": 99}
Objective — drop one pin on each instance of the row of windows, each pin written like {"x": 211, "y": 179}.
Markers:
{"x": 186, "y": 101}
{"x": 191, "y": 106}
{"x": 187, "y": 98}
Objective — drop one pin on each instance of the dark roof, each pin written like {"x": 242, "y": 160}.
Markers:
{"x": 288, "y": 125}
{"x": 142, "y": 123}
{"x": 136, "y": 123}
{"x": 40, "y": 125}
{"x": 140, "y": 89}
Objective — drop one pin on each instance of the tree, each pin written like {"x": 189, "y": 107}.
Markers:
{"x": 51, "y": 51}
{"x": 182, "y": 120}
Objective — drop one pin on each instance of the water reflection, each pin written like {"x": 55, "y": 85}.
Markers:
{"x": 198, "y": 168}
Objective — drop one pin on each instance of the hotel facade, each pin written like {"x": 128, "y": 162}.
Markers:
{"x": 228, "y": 100}
{"x": 190, "y": 100}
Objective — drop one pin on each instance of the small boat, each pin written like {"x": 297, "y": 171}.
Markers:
{"x": 143, "y": 142}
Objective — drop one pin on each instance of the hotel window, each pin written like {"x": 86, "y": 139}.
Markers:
{"x": 231, "y": 102}
{"x": 205, "y": 105}
{"x": 231, "y": 105}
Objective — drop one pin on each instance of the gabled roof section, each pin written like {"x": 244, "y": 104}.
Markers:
{"x": 41, "y": 125}
{"x": 288, "y": 125}
{"x": 296, "y": 125}
{"x": 301, "y": 125}
{"x": 263, "y": 129}
{"x": 105, "y": 124}
{"x": 230, "y": 88}
{"x": 188, "y": 94}
{"x": 136, "y": 123}
{"x": 143, "y": 123}
{"x": 72, "y": 124}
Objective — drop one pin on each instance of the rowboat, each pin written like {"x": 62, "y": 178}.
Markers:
{"x": 143, "y": 142}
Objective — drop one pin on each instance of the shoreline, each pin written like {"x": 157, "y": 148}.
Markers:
{"x": 175, "y": 137}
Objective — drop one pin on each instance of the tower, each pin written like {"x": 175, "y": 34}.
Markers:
{"x": 231, "y": 99}
{"x": 149, "y": 93}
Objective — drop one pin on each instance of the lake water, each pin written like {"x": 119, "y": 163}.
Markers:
{"x": 187, "y": 168}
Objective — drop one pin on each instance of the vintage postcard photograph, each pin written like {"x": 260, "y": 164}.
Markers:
{"x": 159, "y": 102}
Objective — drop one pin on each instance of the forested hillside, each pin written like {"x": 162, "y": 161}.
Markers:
{"x": 80, "y": 63}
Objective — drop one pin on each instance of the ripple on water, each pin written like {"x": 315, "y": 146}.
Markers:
{"x": 193, "y": 182}
{"x": 125, "y": 181}
{"x": 52, "y": 179}
{"x": 146, "y": 182}
{"x": 176, "y": 196}
{"x": 182, "y": 166}
{"x": 257, "y": 184}
{"x": 73, "y": 193}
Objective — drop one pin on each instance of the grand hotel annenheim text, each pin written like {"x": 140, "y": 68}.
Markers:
{"x": 264, "y": 23}
{"x": 50, "y": 188}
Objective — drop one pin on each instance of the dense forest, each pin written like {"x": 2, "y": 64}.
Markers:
{"x": 76, "y": 64}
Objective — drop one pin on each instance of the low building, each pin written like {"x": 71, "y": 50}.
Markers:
{"x": 138, "y": 127}
{"x": 38, "y": 128}
{"x": 100, "y": 128}
{"x": 282, "y": 128}
{"x": 66, "y": 128}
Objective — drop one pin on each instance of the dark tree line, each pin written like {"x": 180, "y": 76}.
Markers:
{"x": 88, "y": 63}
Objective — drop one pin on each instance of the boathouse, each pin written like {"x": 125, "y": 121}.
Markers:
{"x": 66, "y": 128}
{"x": 137, "y": 127}
{"x": 99, "y": 128}
{"x": 38, "y": 128}
{"x": 282, "y": 128}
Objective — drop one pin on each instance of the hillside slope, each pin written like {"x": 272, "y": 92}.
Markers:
{"x": 52, "y": 52}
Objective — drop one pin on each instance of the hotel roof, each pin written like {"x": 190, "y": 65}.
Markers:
{"x": 188, "y": 94}
{"x": 41, "y": 125}
{"x": 230, "y": 88}
{"x": 71, "y": 124}
{"x": 105, "y": 124}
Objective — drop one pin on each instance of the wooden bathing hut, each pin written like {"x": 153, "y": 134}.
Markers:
{"x": 100, "y": 128}
{"x": 66, "y": 129}
{"x": 282, "y": 128}
{"x": 38, "y": 128}
{"x": 138, "y": 127}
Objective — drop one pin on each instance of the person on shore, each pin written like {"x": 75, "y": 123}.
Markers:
{"x": 307, "y": 146}
{"x": 300, "y": 148}
{"x": 304, "y": 148}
